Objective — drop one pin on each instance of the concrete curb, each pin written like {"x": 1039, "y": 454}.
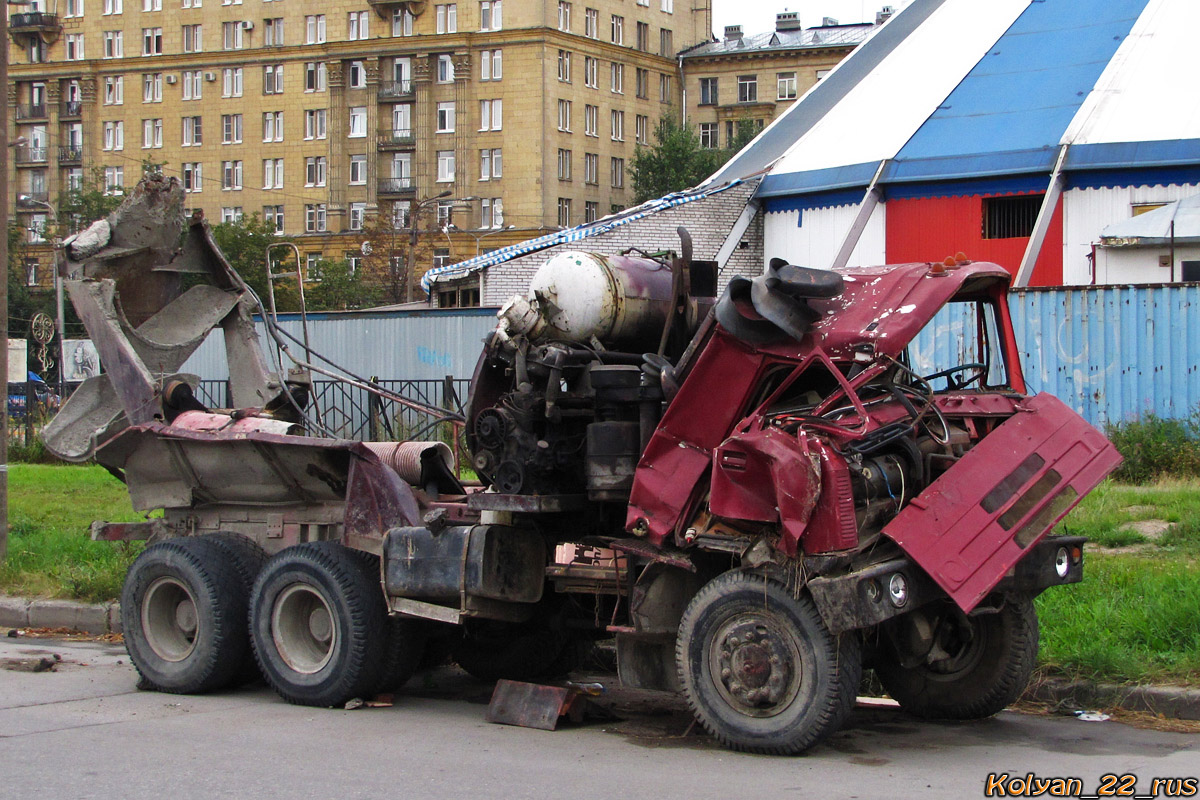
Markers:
{"x": 95, "y": 618}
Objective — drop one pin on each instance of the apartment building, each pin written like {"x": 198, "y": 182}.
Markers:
{"x": 748, "y": 80}
{"x": 494, "y": 119}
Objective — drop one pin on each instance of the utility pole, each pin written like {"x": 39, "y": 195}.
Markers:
{"x": 4, "y": 195}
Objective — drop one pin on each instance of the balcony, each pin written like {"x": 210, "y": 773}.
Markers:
{"x": 71, "y": 108}
{"x": 29, "y": 156}
{"x": 70, "y": 156}
{"x": 396, "y": 140}
{"x": 27, "y": 111}
{"x": 396, "y": 90}
{"x": 394, "y": 187}
{"x": 38, "y": 22}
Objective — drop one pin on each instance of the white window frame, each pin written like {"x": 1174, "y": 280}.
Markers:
{"x": 193, "y": 38}
{"x": 193, "y": 177}
{"x": 357, "y": 26}
{"x": 491, "y": 65}
{"x": 272, "y": 126}
{"x": 591, "y": 120}
{"x": 785, "y": 86}
{"x": 316, "y": 171}
{"x": 152, "y": 133}
{"x": 446, "y": 17}
{"x": 617, "y": 120}
{"x": 231, "y": 82}
{"x": 445, "y": 117}
{"x": 231, "y": 176}
{"x": 564, "y": 16}
{"x": 152, "y": 87}
{"x": 358, "y": 169}
{"x": 357, "y": 127}
{"x": 152, "y": 41}
{"x": 564, "y": 116}
{"x": 491, "y": 17}
{"x": 445, "y": 166}
{"x": 314, "y": 29}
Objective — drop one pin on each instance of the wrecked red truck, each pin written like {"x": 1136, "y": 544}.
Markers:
{"x": 759, "y": 494}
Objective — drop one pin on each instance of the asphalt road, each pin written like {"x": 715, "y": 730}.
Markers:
{"x": 83, "y": 731}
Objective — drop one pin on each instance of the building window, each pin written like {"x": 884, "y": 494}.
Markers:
{"x": 112, "y": 45}
{"x": 591, "y": 120}
{"x": 491, "y": 213}
{"x": 114, "y": 90}
{"x": 786, "y": 82}
{"x": 74, "y": 8}
{"x": 231, "y": 214}
{"x": 191, "y": 176}
{"x": 708, "y": 135}
{"x": 643, "y": 37}
{"x": 564, "y": 212}
{"x": 314, "y": 218}
{"x": 314, "y": 123}
{"x": 402, "y": 168}
{"x": 591, "y": 23}
{"x": 564, "y": 66}
{"x": 591, "y": 70}
{"x": 358, "y": 122}
{"x": 152, "y": 130}
{"x": 193, "y": 41}
{"x": 314, "y": 76}
{"x": 617, "y": 170}
{"x": 821, "y": 73}
{"x": 191, "y": 132}
{"x": 591, "y": 211}
{"x": 231, "y": 129}
{"x": 356, "y": 75}
{"x": 74, "y": 47}
{"x": 193, "y": 83}
{"x": 152, "y": 83}
{"x": 664, "y": 89}
{"x": 112, "y": 7}
{"x": 708, "y": 91}
{"x": 491, "y": 65}
{"x": 356, "y": 26}
{"x": 747, "y": 89}
{"x": 315, "y": 171}
{"x": 358, "y": 212}
{"x": 231, "y": 82}
{"x": 618, "y": 30}
{"x": 114, "y": 135}
{"x": 666, "y": 43}
{"x": 272, "y": 126}
{"x": 314, "y": 29}
{"x": 358, "y": 170}
{"x": 564, "y": 165}
{"x": 491, "y": 115}
{"x": 447, "y": 17}
{"x": 441, "y": 256}
{"x": 445, "y": 166}
{"x": 1011, "y": 217}
{"x": 668, "y": 6}
{"x": 490, "y": 164}
{"x": 273, "y": 32}
{"x": 642, "y": 129}
{"x": 31, "y": 271}
{"x": 618, "y": 125}
{"x": 192, "y": 3}
{"x": 444, "y": 209}
{"x": 445, "y": 117}
{"x": 445, "y": 69}
{"x": 232, "y": 35}
{"x": 152, "y": 41}
{"x": 591, "y": 168}
{"x": 402, "y": 22}
{"x": 231, "y": 176}
{"x": 114, "y": 180}
{"x": 564, "y": 115}
{"x": 272, "y": 173}
{"x": 273, "y": 79}
{"x": 643, "y": 83}
{"x": 490, "y": 18}
{"x": 564, "y": 16}
{"x": 617, "y": 73}
{"x": 273, "y": 216}
{"x": 400, "y": 214}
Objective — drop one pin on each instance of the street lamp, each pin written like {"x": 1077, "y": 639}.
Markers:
{"x": 481, "y": 237}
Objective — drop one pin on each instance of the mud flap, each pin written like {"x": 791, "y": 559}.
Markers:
{"x": 974, "y": 523}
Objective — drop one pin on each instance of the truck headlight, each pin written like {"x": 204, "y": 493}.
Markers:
{"x": 1062, "y": 562}
{"x": 898, "y": 590}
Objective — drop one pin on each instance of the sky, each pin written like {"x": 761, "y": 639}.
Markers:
{"x": 758, "y": 16}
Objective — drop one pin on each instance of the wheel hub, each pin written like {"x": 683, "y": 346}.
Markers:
{"x": 169, "y": 619}
{"x": 303, "y": 629}
{"x": 757, "y": 666}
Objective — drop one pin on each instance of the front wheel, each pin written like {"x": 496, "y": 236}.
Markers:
{"x": 940, "y": 664}
{"x": 759, "y": 668}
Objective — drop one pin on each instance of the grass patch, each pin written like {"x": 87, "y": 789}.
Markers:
{"x": 1110, "y": 506}
{"x": 1132, "y": 620}
{"x": 1154, "y": 447}
{"x": 50, "y": 551}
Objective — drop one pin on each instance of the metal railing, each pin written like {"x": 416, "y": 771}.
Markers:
{"x": 396, "y": 185}
{"x": 397, "y": 138}
{"x": 30, "y": 155}
{"x": 71, "y": 108}
{"x": 393, "y": 90}
{"x": 70, "y": 155}
{"x": 32, "y": 19}
{"x": 31, "y": 111}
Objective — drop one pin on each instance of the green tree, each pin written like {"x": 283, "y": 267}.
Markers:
{"x": 79, "y": 208}
{"x": 677, "y": 161}
{"x": 337, "y": 287}
{"x": 244, "y": 243}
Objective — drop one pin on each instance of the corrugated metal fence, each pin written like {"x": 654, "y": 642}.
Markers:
{"x": 1109, "y": 352}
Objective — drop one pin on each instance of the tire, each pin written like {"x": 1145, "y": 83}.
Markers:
{"x": 759, "y": 668}
{"x": 247, "y": 558}
{"x": 498, "y": 651}
{"x": 183, "y": 611}
{"x": 981, "y": 676}
{"x": 318, "y": 624}
{"x": 403, "y": 654}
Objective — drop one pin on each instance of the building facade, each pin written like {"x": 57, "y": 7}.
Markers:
{"x": 749, "y": 80}
{"x": 479, "y": 122}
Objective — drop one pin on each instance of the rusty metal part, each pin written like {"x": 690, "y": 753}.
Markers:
{"x": 405, "y": 457}
{"x": 527, "y": 503}
{"x": 529, "y": 705}
{"x": 150, "y": 530}
{"x": 756, "y": 662}
{"x": 644, "y": 549}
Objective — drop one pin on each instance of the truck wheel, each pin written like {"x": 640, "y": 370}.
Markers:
{"x": 499, "y": 651}
{"x": 247, "y": 558}
{"x": 759, "y": 668}
{"x": 986, "y": 661}
{"x": 183, "y": 610}
{"x": 402, "y": 657}
{"x": 318, "y": 624}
